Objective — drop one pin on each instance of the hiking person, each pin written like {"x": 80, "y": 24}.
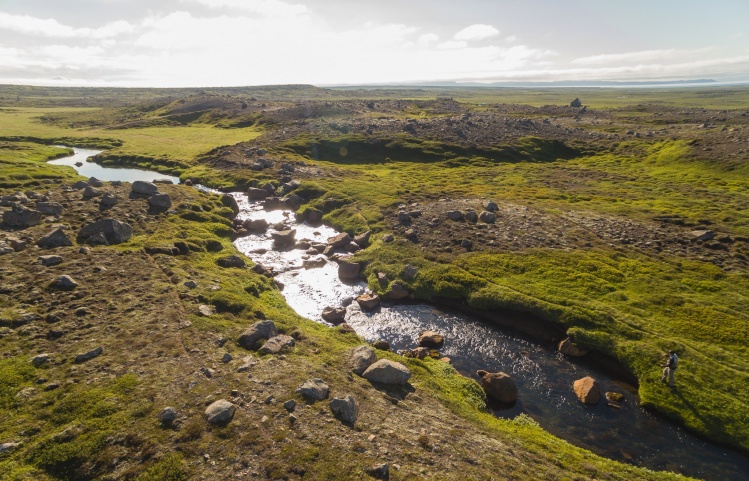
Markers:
{"x": 669, "y": 368}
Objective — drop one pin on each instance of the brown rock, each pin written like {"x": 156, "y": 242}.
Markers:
{"x": 499, "y": 386}
{"x": 587, "y": 390}
{"x": 431, "y": 339}
{"x": 369, "y": 301}
{"x": 569, "y": 348}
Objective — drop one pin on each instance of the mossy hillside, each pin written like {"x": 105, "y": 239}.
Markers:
{"x": 101, "y": 419}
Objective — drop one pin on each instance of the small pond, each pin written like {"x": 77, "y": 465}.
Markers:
{"x": 91, "y": 169}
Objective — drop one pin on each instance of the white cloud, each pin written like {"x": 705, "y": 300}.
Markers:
{"x": 452, "y": 45}
{"x": 267, "y": 8}
{"x": 478, "y": 31}
{"x": 52, "y": 28}
{"x": 428, "y": 38}
{"x": 511, "y": 39}
{"x": 665, "y": 55}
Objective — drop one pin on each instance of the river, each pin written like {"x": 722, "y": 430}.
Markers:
{"x": 544, "y": 377}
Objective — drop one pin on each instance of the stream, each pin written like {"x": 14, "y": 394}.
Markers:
{"x": 543, "y": 376}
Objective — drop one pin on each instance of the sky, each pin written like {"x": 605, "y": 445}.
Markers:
{"x": 212, "y": 43}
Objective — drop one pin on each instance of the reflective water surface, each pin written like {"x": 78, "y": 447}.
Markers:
{"x": 90, "y": 169}
{"x": 544, "y": 377}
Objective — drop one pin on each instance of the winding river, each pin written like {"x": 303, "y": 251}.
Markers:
{"x": 544, "y": 377}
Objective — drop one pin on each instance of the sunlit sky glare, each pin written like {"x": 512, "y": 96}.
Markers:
{"x": 202, "y": 43}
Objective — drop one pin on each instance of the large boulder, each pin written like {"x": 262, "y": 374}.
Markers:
{"x": 230, "y": 202}
{"x": 347, "y": 269}
{"x": 56, "y": 238}
{"x": 361, "y": 358}
{"x": 257, "y": 225}
{"x": 499, "y": 386}
{"x": 491, "y": 206}
{"x": 278, "y": 344}
{"x": 314, "y": 390}
{"x": 260, "y": 330}
{"x": 141, "y": 187}
{"x": 488, "y": 217}
{"x": 254, "y": 193}
{"x": 345, "y": 409}
{"x": 115, "y": 231}
{"x": 220, "y": 412}
{"x": 20, "y": 216}
{"x": 569, "y": 348}
{"x": 587, "y": 390}
{"x": 385, "y": 371}
{"x": 431, "y": 339}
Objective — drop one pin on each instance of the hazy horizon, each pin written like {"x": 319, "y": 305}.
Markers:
{"x": 201, "y": 43}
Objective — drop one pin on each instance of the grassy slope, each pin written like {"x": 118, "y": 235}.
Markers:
{"x": 101, "y": 419}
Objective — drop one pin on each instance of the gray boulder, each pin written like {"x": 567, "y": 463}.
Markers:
{"x": 348, "y": 269}
{"x": 361, "y": 358}
{"x": 90, "y": 192}
{"x": 159, "y": 202}
{"x": 454, "y": 215}
{"x": 86, "y": 356}
{"x": 314, "y": 390}
{"x": 362, "y": 240}
{"x": 345, "y": 409}
{"x": 231, "y": 261}
{"x": 260, "y": 330}
{"x": 141, "y": 187}
{"x": 283, "y": 238}
{"x": 277, "y": 344}
{"x": 49, "y": 208}
{"x": 254, "y": 193}
{"x": 167, "y": 416}
{"x": 340, "y": 240}
{"x": 491, "y": 206}
{"x": 94, "y": 182}
{"x": 230, "y": 202}
{"x": 48, "y": 261}
{"x": 115, "y": 231}
{"x": 56, "y": 238}
{"x": 488, "y": 217}
{"x": 220, "y": 412}
{"x": 108, "y": 200}
{"x": 385, "y": 371}
{"x": 20, "y": 216}
{"x": 65, "y": 283}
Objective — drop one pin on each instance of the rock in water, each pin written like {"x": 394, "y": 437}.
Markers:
{"x": 345, "y": 409}
{"x": 340, "y": 240}
{"x": 348, "y": 269}
{"x": 260, "y": 330}
{"x": 115, "y": 231}
{"x": 220, "y": 412}
{"x": 368, "y": 302}
{"x": 569, "y": 348}
{"x": 361, "y": 358}
{"x": 587, "y": 390}
{"x": 385, "y": 371}
{"x": 431, "y": 339}
{"x": 334, "y": 315}
{"x": 499, "y": 386}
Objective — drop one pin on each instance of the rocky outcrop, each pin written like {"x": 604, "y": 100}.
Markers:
{"x": 499, "y": 386}
{"x": 587, "y": 390}
{"x": 262, "y": 330}
{"x": 113, "y": 230}
{"x": 385, "y": 371}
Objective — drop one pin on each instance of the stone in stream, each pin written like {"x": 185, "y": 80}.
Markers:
{"x": 339, "y": 240}
{"x": 262, "y": 330}
{"x": 431, "y": 339}
{"x": 220, "y": 412}
{"x": 498, "y": 386}
{"x": 368, "y": 301}
{"x": 614, "y": 396}
{"x": 56, "y": 238}
{"x": 254, "y": 193}
{"x": 587, "y": 390}
{"x": 569, "y": 348}
{"x": 313, "y": 390}
{"x": 385, "y": 371}
{"x": 361, "y": 358}
{"x": 256, "y": 225}
{"x": 345, "y": 409}
{"x": 283, "y": 238}
{"x": 334, "y": 315}
{"x": 314, "y": 216}
{"x": 381, "y": 345}
{"x": 398, "y": 291}
{"x": 348, "y": 269}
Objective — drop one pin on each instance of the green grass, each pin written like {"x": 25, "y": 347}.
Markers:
{"x": 24, "y": 164}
